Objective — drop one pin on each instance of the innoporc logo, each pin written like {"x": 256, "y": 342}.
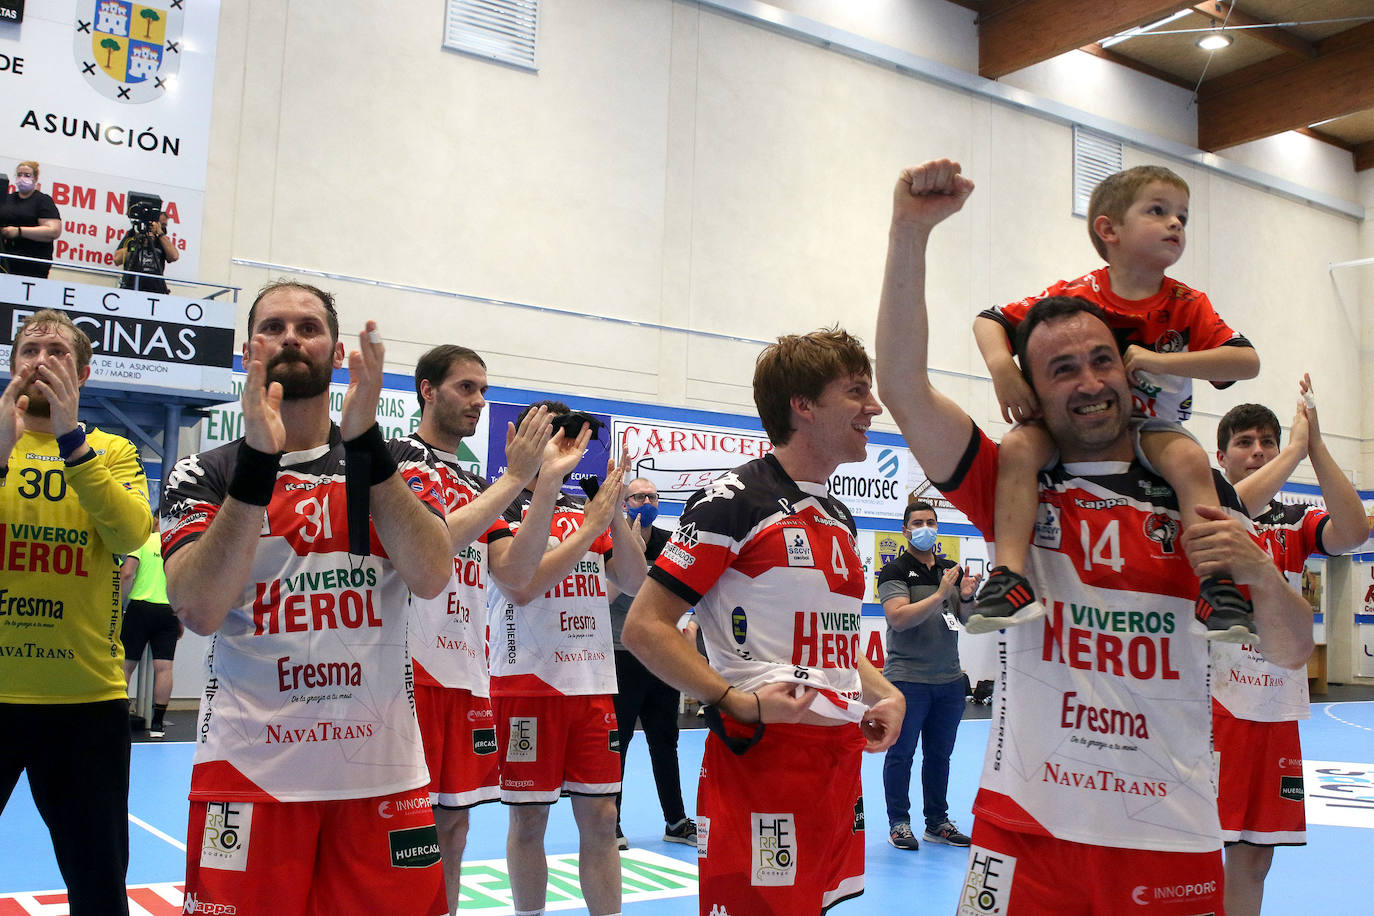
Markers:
{"x": 129, "y": 52}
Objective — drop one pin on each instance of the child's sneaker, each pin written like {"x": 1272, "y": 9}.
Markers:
{"x": 901, "y": 837}
{"x": 1005, "y": 600}
{"x": 1225, "y": 612}
{"x": 684, "y": 832}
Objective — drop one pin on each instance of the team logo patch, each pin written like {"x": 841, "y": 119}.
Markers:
{"x": 987, "y": 883}
{"x": 524, "y": 740}
{"x": 798, "y": 547}
{"x": 1290, "y": 788}
{"x": 1162, "y": 528}
{"x": 703, "y": 836}
{"x": 1047, "y": 531}
{"x": 686, "y": 535}
{"x": 414, "y": 847}
{"x": 774, "y": 839}
{"x": 224, "y": 841}
{"x": 739, "y": 625}
{"x": 483, "y": 741}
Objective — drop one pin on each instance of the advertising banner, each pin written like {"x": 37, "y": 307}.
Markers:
{"x": 138, "y": 339}
{"x": 110, "y": 96}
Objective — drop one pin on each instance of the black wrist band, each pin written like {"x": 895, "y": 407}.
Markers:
{"x": 255, "y": 475}
{"x": 720, "y": 699}
{"x": 370, "y": 450}
{"x": 68, "y": 443}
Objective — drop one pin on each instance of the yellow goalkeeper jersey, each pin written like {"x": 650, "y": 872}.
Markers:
{"x": 63, "y": 531}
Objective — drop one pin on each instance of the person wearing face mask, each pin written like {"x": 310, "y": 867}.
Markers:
{"x": 923, "y": 595}
{"x": 643, "y": 696}
{"x": 29, "y": 223}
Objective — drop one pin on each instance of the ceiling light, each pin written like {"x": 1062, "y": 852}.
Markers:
{"x": 1215, "y": 41}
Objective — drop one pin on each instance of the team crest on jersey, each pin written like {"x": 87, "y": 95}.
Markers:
{"x": 798, "y": 547}
{"x": 1161, "y": 527}
{"x": 1170, "y": 341}
{"x": 1048, "y": 533}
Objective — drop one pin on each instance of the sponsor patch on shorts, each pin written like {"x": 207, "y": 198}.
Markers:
{"x": 1290, "y": 788}
{"x": 483, "y": 741}
{"x": 859, "y": 815}
{"x": 987, "y": 883}
{"x": 524, "y": 740}
{"x": 774, "y": 838}
{"x": 414, "y": 847}
{"x": 613, "y": 739}
{"x": 703, "y": 836}
{"x": 224, "y": 841}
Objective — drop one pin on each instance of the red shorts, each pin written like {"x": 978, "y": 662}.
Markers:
{"x": 780, "y": 829}
{"x": 358, "y": 855}
{"x": 1259, "y": 788}
{"x": 459, "y": 732}
{"x": 550, "y": 746}
{"x": 1024, "y": 873}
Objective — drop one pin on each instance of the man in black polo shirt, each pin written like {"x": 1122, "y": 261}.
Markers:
{"x": 922, "y": 594}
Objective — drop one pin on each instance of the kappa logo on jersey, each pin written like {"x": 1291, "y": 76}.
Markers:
{"x": 775, "y": 850}
{"x": 1162, "y": 528}
{"x": 722, "y": 487}
{"x": 798, "y": 548}
{"x": 193, "y": 904}
{"x": 1048, "y": 534}
{"x": 719, "y": 910}
{"x": 224, "y": 838}
{"x": 987, "y": 883}
{"x": 524, "y": 740}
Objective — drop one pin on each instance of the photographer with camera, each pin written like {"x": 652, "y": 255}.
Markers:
{"x": 146, "y": 248}
{"x": 29, "y": 223}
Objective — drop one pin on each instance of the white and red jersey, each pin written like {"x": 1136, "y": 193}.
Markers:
{"x": 1101, "y": 721}
{"x": 1177, "y": 319}
{"x": 448, "y": 633}
{"x": 771, "y": 566}
{"x": 308, "y": 688}
{"x": 1244, "y": 684}
{"x": 560, "y": 643}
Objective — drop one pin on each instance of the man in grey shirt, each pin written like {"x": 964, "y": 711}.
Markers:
{"x": 922, "y": 594}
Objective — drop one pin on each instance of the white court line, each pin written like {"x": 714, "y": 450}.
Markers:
{"x": 157, "y": 833}
{"x": 1331, "y": 706}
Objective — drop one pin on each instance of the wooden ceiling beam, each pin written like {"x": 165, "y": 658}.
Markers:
{"x": 1264, "y": 102}
{"x": 1364, "y": 156}
{"x": 1280, "y": 38}
{"x": 1096, "y": 50}
{"x": 1013, "y": 36}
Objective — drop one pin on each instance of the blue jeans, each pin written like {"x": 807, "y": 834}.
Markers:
{"x": 933, "y": 712}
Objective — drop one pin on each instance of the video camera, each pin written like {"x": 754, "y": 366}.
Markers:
{"x": 143, "y": 210}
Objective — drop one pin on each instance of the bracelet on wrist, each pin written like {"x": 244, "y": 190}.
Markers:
{"x": 720, "y": 699}
{"x": 255, "y": 475}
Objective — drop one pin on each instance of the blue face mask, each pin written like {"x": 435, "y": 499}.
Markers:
{"x": 923, "y": 538}
{"x": 645, "y": 512}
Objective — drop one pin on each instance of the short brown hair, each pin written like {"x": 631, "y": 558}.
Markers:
{"x": 1114, "y": 195}
{"x": 435, "y": 365}
{"x": 1244, "y": 417}
{"x": 40, "y": 320}
{"x": 801, "y": 365}
{"x": 327, "y": 299}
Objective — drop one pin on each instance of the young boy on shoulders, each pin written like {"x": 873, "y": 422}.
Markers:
{"x": 1170, "y": 335}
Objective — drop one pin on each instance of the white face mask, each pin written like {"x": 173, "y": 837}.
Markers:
{"x": 923, "y": 538}
{"x": 25, "y": 183}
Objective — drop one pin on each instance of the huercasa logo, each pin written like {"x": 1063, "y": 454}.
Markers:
{"x": 415, "y": 847}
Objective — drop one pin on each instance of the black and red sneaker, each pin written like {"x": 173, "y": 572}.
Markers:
{"x": 1225, "y": 612}
{"x": 1005, "y": 600}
